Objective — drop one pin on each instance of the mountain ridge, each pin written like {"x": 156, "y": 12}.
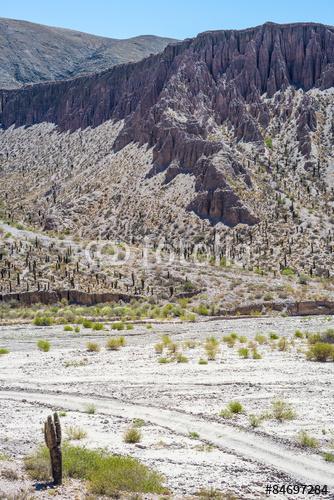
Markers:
{"x": 32, "y": 52}
{"x": 225, "y": 123}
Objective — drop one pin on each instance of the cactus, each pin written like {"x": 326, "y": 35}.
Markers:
{"x": 52, "y": 435}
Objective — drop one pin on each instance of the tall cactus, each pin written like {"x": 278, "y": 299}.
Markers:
{"x": 52, "y": 435}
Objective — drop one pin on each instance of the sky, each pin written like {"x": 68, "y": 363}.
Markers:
{"x": 174, "y": 18}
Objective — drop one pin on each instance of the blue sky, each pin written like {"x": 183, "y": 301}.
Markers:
{"x": 175, "y": 18}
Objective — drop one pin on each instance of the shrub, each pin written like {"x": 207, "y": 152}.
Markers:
{"x": 193, "y": 435}
{"x": 306, "y": 440}
{"x": 164, "y": 360}
{"x": 283, "y": 344}
{"x": 212, "y": 348}
{"x": 129, "y": 326}
{"x": 320, "y": 352}
{"x": 244, "y": 352}
{"x": 287, "y": 271}
{"x": 166, "y": 340}
{"x": 75, "y": 433}
{"x": 242, "y": 339}
{"x": 138, "y": 422}
{"x": 68, "y": 328}
{"x": 180, "y": 358}
{"x": 159, "y": 348}
{"x": 299, "y": 334}
{"x": 98, "y": 326}
{"x": 87, "y": 323}
{"x": 260, "y": 339}
{"x": 229, "y": 340}
{"x": 256, "y": 354}
{"x": 172, "y": 347}
{"x": 77, "y": 329}
{"x": 113, "y": 344}
{"x": 329, "y": 457}
{"x": 42, "y": 321}
{"x": 43, "y": 345}
{"x": 132, "y": 435}
{"x": 93, "y": 347}
{"x": 273, "y": 336}
{"x": 118, "y": 326}
{"x": 90, "y": 408}
{"x": 106, "y": 474}
{"x": 282, "y": 411}
{"x": 3, "y": 350}
{"x": 236, "y": 407}
{"x": 202, "y": 361}
{"x": 232, "y": 409}
{"x": 254, "y": 420}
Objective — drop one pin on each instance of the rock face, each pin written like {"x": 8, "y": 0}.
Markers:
{"x": 32, "y": 53}
{"x": 175, "y": 100}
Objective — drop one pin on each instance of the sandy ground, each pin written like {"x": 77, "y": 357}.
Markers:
{"x": 173, "y": 399}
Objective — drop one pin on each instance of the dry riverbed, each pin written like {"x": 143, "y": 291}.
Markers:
{"x": 183, "y": 435}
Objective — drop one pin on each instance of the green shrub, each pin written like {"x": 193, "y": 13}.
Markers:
{"x": 77, "y": 329}
{"x": 87, "y": 323}
{"x": 260, "y": 339}
{"x": 229, "y": 340}
{"x": 106, "y": 474}
{"x": 254, "y": 420}
{"x": 3, "y": 350}
{"x": 299, "y": 334}
{"x": 256, "y": 354}
{"x": 138, "y": 422}
{"x": 68, "y": 328}
{"x": 329, "y": 457}
{"x": 193, "y": 435}
{"x": 202, "y": 361}
{"x": 118, "y": 326}
{"x": 306, "y": 440}
{"x": 287, "y": 271}
{"x": 233, "y": 408}
{"x": 236, "y": 407}
{"x": 212, "y": 348}
{"x": 93, "y": 347}
{"x": 242, "y": 339}
{"x": 132, "y": 435}
{"x": 42, "y": 321}
{"x": 164, "y": 360}
{"x": 273, "y": 336}
{"x": 43, "y": 345}
{"x": 129, "y": 326}
{"x": 180, "y": 358}
{"x": 113, "y": 344}
{"x": 321, "y": 352}
{"x": 98, "y": 326}
{"x": 282, "y": 411}
{"x": 244, "y": 352}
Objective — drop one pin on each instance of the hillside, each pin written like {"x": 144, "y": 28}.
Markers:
{"x": 31, "y": 53}
{"x": 225, "y": 138}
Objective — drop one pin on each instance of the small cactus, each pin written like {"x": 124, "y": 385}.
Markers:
{"x": 52, "y": 435}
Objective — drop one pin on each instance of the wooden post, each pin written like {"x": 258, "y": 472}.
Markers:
{"x": 52, "y": 435}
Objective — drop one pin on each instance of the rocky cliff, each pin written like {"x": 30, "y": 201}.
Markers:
{"x": 180, "y": 102}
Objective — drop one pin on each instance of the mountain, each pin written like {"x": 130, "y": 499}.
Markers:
{"x": 32, "y": 53}
{"x": 227, "y": 135}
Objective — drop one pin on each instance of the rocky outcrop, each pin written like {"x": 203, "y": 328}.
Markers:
{"x": 171, "y": 100}
{"x": 72, "y": 296}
